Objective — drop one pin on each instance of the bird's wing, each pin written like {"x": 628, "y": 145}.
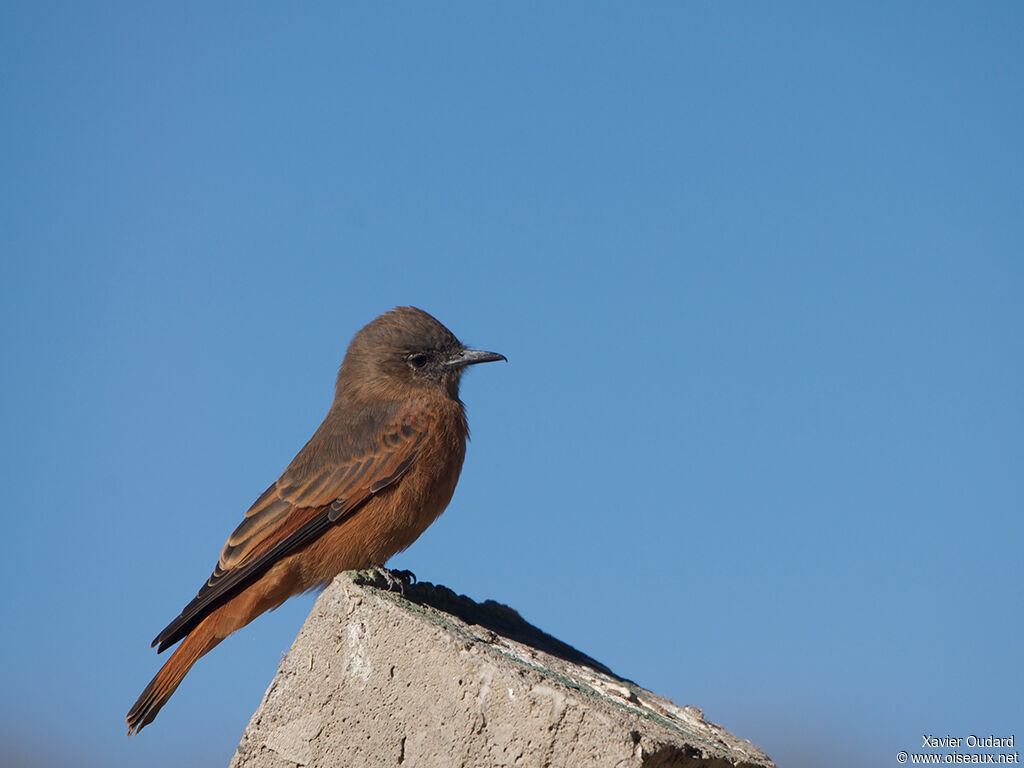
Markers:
{"x": 330, "y": 479}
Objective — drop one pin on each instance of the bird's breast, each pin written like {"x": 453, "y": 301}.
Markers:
{"x": 396, "y": 516}
{"x": 422, "y": 495}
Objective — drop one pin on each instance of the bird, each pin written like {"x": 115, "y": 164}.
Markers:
{"x": 377, "y": 472}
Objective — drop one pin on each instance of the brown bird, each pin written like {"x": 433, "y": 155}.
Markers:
{"x": 380, "y": 468}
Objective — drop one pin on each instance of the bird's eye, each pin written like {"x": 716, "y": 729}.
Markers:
{"x": 418, "y": 361}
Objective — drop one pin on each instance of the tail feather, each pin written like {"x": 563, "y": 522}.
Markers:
{"x": 166, "y": 681}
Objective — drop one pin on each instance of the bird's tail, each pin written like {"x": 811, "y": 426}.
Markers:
{"x": 198, "y": 642}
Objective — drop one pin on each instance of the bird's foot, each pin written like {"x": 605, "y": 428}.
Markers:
{"x": 401, "y": 578}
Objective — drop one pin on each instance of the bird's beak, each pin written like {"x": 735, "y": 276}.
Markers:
{"x": 472, "y": 357}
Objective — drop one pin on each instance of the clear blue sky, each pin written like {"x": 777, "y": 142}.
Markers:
{"x": 758, "y": 271}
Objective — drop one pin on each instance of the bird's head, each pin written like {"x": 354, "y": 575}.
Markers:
{"x": 404, "y": 351}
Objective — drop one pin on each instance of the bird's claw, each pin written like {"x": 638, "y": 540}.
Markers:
{"x": 402, "y": 578}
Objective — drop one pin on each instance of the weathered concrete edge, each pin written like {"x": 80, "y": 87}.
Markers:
{"x": 455, "y": 625}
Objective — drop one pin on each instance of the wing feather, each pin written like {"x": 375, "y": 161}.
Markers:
{"x": 329, "y": 480}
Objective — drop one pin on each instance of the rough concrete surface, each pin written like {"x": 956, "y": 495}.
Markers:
{"x": 433, "y": 679}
